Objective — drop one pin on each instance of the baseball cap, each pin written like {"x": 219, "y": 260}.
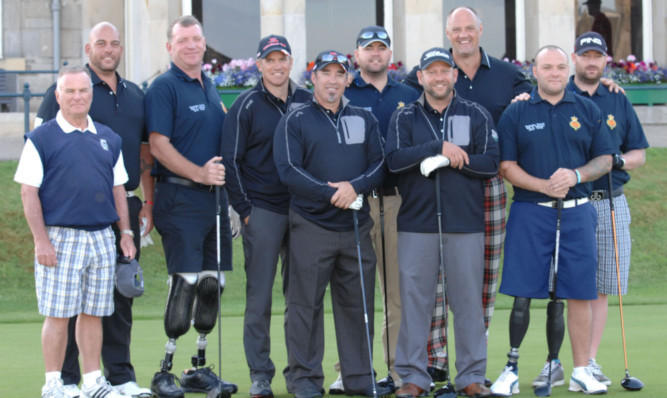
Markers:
{"x": 331, "y": 57}
{"x": 590, "y": 41}
{"x": 129, "y": 278}
{"x": 273, "y": 43}
{"x": 436, "y": 54}
{"x": 371, "y": 34}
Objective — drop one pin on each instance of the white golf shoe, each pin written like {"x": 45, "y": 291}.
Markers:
{"x": 71, "y": 391}
{"x": 53, "y": 389}
{"x": 557, "y": 375}
{"x": 506, "y": 384}
{"x": 597, "y": 372}
{"x": 583, "y": 380}
{"x": 132, "y": 389}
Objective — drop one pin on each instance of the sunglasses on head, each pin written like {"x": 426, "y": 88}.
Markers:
{"x": 372, "y": 34}
{"x": 341, "y": 59}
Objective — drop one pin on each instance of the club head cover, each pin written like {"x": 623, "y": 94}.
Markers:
{"x": 129, "y": 277}
{"x": 432, "y": 163}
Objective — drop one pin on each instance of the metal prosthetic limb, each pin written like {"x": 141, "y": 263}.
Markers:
{"x": 519, "y": 321}
{"x": 555, "y": 328}
{"x": 177, "y": 315}
{"x": 207, "y": 300}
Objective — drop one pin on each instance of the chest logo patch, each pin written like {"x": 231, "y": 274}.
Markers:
{"x": 574, "y": 123}
{"x": 104, "y": 144}
{"x": 401, "y": 104}
{"x": 535, "y": 126}
{"x": 198, "y": 107}
{"x": 611, "y": 122}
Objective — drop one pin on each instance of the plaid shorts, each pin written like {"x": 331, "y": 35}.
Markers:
{"x": 495, "y": 201}
{"x": 83, "y": 280}
{"x": 607, "y": 282}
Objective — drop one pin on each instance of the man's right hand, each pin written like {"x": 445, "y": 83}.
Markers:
{"x": 212, "y": 173}
{"x": 457, "y": 156}
{"x": 45, "y": 253}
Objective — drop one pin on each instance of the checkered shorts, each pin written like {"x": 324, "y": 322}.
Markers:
{"x": 83, "y": 280}
{"x": 607, "y": 282}
{"x": 495, "y": 201}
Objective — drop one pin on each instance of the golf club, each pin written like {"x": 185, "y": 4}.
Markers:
{"x": 552, "y": 341}
{"x": 218, "y": 256}
{"x": 389, "y": 379}
{"x": 629, "y": 383}
{"x": 363, "y": 298}
{"x": 446, "y": 391}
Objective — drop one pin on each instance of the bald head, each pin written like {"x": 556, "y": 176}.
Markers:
{"x": 104, "y": 49}
{"x": 469, "y": 12}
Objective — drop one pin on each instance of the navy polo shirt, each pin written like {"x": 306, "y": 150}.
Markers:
{"x": 190, "y": 113}
{"x": 494, "y": 85}
{"x": 381, "y": 104}
{"x": 122, "y": 111}
{"x": 623, "y": 123}
{"x": 542, "y": 137}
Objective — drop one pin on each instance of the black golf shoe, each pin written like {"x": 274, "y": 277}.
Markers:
{"x": 437, "y": 375}
{"x": 164, "y": 385}
{"x": 204, "y": 380}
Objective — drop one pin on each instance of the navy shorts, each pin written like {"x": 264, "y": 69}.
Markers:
{"x": 186, "y": 221}
{"x": 530, "y": 246}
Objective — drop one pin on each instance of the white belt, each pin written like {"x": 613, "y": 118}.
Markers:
{"x": 567, "y": 204}
{"x": 131, "y": 194}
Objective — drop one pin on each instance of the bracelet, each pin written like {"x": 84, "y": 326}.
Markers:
{"x": 150, "y": 202}
{"x": 578, "y": 175}
{"x": 127, "y": 232}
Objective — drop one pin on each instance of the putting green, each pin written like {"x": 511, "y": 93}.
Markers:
{"x": 22, "y": 367}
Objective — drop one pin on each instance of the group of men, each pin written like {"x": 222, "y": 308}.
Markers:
{"x": 363, "y": 171}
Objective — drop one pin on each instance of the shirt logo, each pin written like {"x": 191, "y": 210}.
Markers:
{"x": 611, "y": 122}
{"x": 574, "y": 123}
{"x": 494, "y": 135}
{"x": 401, "y": 104}
{"x": 104, "y": 144}
{"x": 198, "y": 108}
{"x": 535, "y": 126}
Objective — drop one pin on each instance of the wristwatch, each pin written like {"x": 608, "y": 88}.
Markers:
{"x": 127, "y": 232}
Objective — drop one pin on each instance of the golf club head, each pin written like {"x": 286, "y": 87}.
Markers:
{"x": 446, "y": 391}
{"x": 632, "y": 383}
{"x": 543, "y": 391}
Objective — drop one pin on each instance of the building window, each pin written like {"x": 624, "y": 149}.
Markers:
{"x": 334, "y": 25}
{"x": 618, "y": 21}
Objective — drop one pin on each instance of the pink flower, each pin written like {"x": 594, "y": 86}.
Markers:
{"x": 632, "y": 58}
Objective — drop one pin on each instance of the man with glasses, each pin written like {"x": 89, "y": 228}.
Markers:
{"x": 373, "y": 89}
{"x": 262, "y": 201}
{"x": 328, "y": 153}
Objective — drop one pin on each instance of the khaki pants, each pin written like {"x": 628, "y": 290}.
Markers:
{"x": 390, "y": 292}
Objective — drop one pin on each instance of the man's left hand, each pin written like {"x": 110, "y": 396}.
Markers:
{"x": 613, "y": 87}
{"x": 344, "y": 196}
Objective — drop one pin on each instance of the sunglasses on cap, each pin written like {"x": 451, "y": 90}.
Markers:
{"x": 341, "y": 59}
{"x": 372, "y": 34}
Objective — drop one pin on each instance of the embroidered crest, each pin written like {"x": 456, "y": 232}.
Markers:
{"x": 401, "y": 104}
{"x": 104, "y": 144}
{"x": 611, "y": 122}
{"x": 574, "y": 123}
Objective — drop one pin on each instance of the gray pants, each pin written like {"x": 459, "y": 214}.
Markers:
{"x": 319, "y": 257}
{"x": 419, "y": 263}
{"x": 264, "y": 239}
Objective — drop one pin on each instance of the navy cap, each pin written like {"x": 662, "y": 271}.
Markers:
{"x": 129, "y": 278}
{"x": 590, "y": 41}
{"x": 331, "y": 57}
{"x": 273, "y": 43}
{"x": 371, "y": 34}
{"x": 436, "y": 54}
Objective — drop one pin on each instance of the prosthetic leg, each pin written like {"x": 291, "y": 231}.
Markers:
{"x": 177, "y": 316}
{"x": 508, "y": 382}
{"x": 519, "y": 321}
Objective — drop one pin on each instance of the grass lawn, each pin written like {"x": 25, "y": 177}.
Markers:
{"x": 20, "y": 324}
